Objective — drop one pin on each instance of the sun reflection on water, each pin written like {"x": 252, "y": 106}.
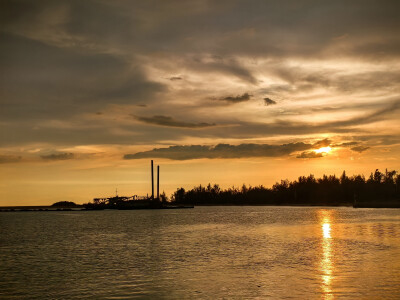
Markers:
{"x": 326, "y": 229}
{"x": 326, "y": 264}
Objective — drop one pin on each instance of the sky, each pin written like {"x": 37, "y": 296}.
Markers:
{"x": 228, "y": 92}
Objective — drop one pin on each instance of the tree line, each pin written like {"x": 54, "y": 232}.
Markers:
{"x": 381, "y": 189}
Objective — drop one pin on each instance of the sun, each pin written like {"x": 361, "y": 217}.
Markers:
{"x": 323, "y": 150}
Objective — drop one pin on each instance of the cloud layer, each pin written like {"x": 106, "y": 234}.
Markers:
{"x": 225, "y": 151}
{"x": 171, "y": 122}
{"x": 74, "y": 73}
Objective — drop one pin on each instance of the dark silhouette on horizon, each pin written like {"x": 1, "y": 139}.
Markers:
{"x": 379, "y": 190}
{"x": 135, "y": 202}
{"x": 64, "y": 204}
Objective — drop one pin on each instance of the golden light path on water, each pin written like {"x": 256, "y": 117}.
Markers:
{"x": 326, "y": 264}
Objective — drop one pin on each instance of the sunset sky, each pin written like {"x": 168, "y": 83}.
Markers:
{"x": 226, "y": 92}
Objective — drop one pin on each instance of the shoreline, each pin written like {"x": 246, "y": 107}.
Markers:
{"x": 46, "y": 208}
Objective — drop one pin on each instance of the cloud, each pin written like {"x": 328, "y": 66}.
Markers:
{"x": 80, "y": 132}
{"x": 63, "y": 59}
{"x": 221, "y": 151}
{"x": 304, "y": 79}
{"x": 58, "y": 83}
{"x": 326, "y": 108}
{"x": 170, "y": 122}
{"x": 309, "y": 154}
{"x": 268, "y": 101}
{"x": 9, "y": 159}
{"x": 386, "y": 140}
{"x": 373, "y": 117}
{"x": 227, "y": 67}
{"x": 58, "y": 156}
{"x": 322, "y": 143}
{"x": 237, "y": 99}
{"x": 360, "y": 148}
{"x": 174, "y": 78}
{"x": 233, "y": 27}
{"x": 347, "y": 144}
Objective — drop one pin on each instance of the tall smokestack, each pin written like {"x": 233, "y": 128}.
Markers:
{"x": 152, "y": 181}
{"x": 158, "y": 182}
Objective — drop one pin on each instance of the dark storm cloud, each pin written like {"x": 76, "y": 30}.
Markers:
{"x": 309, "y": 154}
{"x": 171, "y": 122}
{"x": 360, "y": 148}
{"x": 221, "y": 151}
{"x": 58, "y": 156}
{"x": 237, "y": 99}
{"x": 9, "y": 159}
{"x": 268, "y": 101}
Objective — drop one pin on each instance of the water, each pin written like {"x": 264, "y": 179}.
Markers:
{"x": 204, "y": 253}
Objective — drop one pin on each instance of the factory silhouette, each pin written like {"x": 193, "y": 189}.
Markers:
{"x": 135, "y": 202}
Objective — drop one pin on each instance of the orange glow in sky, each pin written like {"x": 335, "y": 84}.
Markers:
{"x": 225, "y": 93}
{"x": 323, "y": 150}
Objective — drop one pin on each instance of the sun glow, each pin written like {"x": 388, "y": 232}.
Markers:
{"x": 323, "y": 150}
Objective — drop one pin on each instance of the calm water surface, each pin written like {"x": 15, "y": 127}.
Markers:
{"x": 204, "y": 253}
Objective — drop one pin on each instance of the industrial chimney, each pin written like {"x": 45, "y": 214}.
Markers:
{"x": 152, "y": 181}
{"x": 158, "y": 182}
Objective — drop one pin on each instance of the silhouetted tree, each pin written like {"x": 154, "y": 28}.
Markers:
{"x": 379, "y": 190}
{"x": 163, "y": 198}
